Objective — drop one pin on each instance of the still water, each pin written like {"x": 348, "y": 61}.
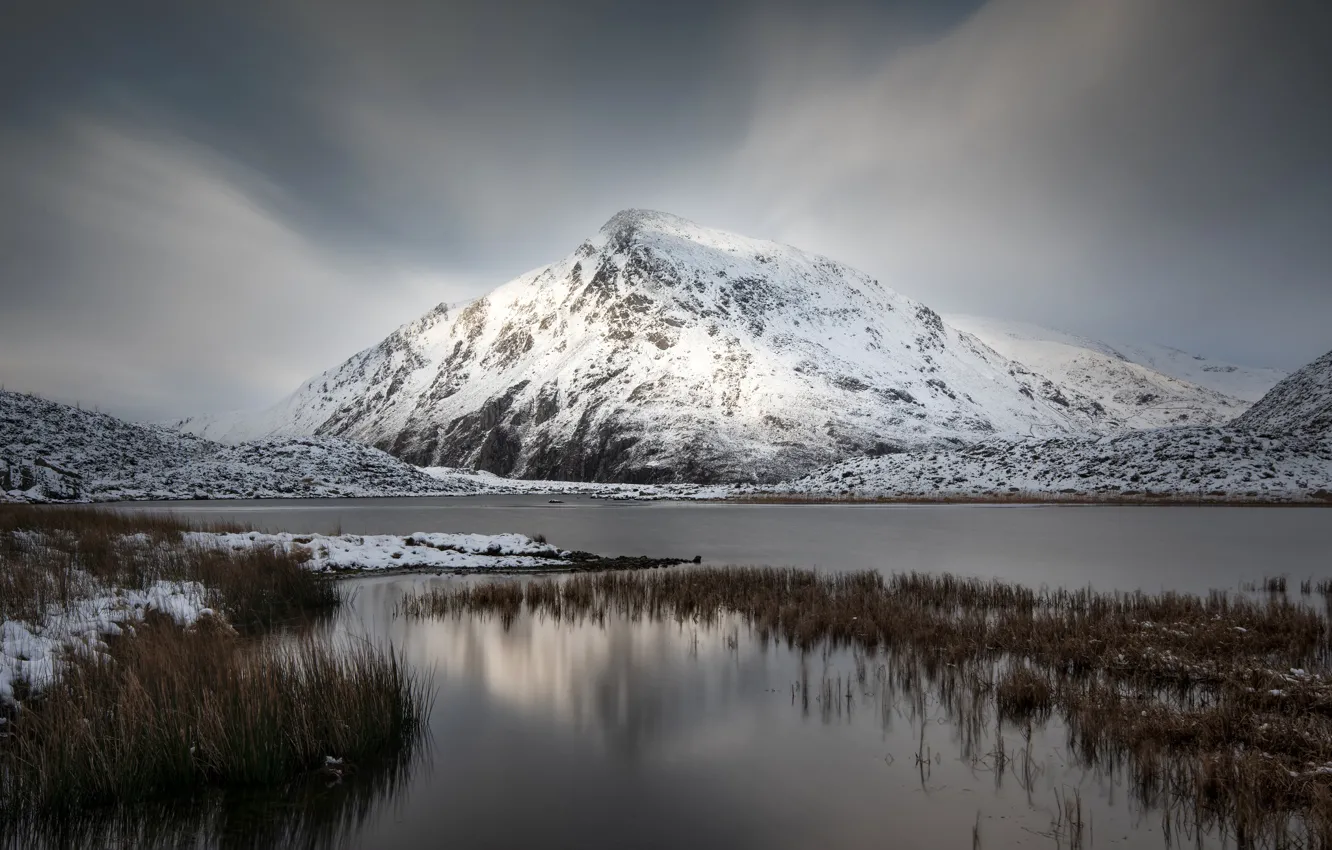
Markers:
{"x": 652, "y": 734}
{"x": 1190, "y": 549}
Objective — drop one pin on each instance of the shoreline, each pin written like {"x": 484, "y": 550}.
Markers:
{"x": 1023, "y": 499}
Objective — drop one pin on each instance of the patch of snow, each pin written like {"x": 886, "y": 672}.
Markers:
{"x": 33, "y": 652}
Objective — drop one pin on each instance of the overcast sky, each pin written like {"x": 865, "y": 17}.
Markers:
{"x": 202, "y": 204}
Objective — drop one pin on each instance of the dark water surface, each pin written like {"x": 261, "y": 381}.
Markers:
{"x": 650, "y": 734}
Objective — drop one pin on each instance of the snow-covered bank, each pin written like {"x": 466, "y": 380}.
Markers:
{"x": 34, "y": 645}
{"x": 437, "y": 551}
{"x": 391, "y": 551}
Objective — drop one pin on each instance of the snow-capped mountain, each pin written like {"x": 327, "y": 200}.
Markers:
{"x": 1144, "y": 386}
{"x": 1300, "y": 403}
{"x": 660, "y": 350}
{"x": 54, "y": 451}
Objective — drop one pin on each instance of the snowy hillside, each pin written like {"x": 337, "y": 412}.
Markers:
{"x": 664, "y": 351}
{"x": 1206, "y": 463}
{"x": 50, "y": 450}
{"x": 1302, "y": 402}
{"x": 1145, "y": 386}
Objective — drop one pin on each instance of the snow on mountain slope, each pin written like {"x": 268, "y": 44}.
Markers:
{"x": 53, "y": 451}
{"x": 1192, "y": 462}
{"x": 1139, "y": 384}
{"x": 1302, "y": 402}
{"x": 664, "y": 351}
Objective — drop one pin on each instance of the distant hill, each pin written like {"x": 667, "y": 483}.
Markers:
{"x": 54, "y": 451}
{"x": 1300, "y": 403}
{"x": 1144, "y": 386}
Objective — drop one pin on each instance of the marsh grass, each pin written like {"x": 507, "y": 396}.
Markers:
{"x": 1146, "y": 639}
{"x": 1219, "y": 706}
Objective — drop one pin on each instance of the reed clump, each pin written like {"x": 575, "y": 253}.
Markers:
{"x": 1148, "y": 639}
{"x": 1023, "y": 693}
{"x": 170, "y": 709}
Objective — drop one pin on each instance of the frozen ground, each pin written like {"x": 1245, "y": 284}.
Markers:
{"x": 488, "y": 482}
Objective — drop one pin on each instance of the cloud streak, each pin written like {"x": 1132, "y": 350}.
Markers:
{"x": 151, "y": 268}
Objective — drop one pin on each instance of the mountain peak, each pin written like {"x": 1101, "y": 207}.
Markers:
{"x": 630, "y": 226}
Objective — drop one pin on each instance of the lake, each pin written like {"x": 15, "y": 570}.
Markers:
{"x": 651, "y": 734}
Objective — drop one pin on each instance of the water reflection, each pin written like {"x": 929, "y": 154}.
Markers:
{"x": 316, "y": 811}
{"x": 639, "y": 733}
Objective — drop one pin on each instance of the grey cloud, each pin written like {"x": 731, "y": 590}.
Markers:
{"x": 1130, "y": 168}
